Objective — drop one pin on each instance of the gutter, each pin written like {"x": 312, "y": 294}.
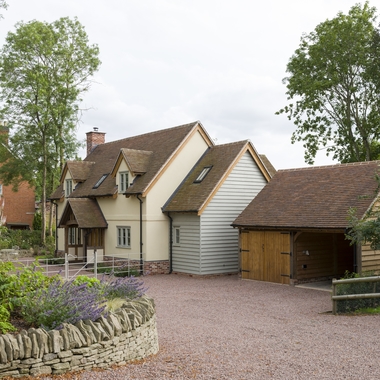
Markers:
{"x": 170, "y": 244}
{"x": 141, "y": 241}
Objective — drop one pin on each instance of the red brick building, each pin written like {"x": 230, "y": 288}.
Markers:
{"x": 18, "y": 207}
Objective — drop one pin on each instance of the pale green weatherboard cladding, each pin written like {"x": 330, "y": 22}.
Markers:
{"x": 209, "y": 245}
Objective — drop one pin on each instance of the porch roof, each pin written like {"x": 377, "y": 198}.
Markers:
{"x": 86, "y": 212}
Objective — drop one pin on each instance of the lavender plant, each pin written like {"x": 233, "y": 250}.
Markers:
{"x": 122, "y": 287}
{"x": 62, "y": 302}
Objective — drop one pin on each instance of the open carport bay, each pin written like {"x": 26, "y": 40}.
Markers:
{"x": 228, "y": 328}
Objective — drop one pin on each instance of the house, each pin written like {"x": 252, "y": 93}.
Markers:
{"x": 17, "y": 207}
{"x": 201, "y": 210}
{"x": 294, "y": 230}
{"x": 118, "y": 201}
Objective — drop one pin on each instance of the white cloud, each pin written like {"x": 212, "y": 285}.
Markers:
{"x": 169, "y": 62}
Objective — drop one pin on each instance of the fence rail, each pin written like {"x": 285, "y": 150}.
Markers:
{"x": 69, "y": 267}
{"x": 335, "y": 298}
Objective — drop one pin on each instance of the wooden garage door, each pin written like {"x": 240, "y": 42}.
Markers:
{"x": 265, "y": 256}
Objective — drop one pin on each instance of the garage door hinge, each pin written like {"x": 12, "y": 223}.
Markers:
{"x": 285, "y": 275}
{"x": 286, "y": 253}
{"x": 244, "y": 250}
{"x": 244, "y": 270}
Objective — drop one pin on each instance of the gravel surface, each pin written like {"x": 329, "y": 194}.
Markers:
{"x": 228, "y": 328}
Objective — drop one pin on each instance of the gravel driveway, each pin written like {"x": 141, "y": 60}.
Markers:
{"x": 228, "y": 328}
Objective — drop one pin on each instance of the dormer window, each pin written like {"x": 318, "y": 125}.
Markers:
{"x": 123, "y": 182}
{"x": 203, "y": 174}
{"x": 101, "y": 180}
{"x": 69, "y": 187}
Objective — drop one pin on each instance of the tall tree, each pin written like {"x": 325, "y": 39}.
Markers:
{"x": 334, "y": 87}
{"x": 44, "y": 70}
{"x": 3, "y": 5}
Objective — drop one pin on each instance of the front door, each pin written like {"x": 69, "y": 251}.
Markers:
{"x": 74, "y": 243}
{"x": 265, "y": 256}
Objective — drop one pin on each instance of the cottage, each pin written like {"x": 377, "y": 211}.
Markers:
{"x": 122, "y": 198}
{"x": 294, "y": 229}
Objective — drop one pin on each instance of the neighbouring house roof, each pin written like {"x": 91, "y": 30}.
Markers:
{"x": 219, "y": 160}
{"x": 313, "y": 198}
{"x": 86, "y": 212}
{"x": 146, "y": 154}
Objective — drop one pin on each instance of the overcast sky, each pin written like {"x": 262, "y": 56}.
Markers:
{"x": 171, "y": 62}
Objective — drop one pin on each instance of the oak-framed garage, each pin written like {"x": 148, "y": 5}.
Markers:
{"x": 295, "y": 229}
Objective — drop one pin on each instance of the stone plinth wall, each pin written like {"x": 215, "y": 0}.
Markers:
{"x": 128, "y": 334}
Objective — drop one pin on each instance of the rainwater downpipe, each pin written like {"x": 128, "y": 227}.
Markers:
{"x": 56, "y": 227}
{"x": 141, "y": 241}
{"x": 170, "y": 244}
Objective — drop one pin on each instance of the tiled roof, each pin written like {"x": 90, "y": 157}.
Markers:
{"x": 192, "y": 196}
{"x": 312, "y": 198}
{"x": 86, "y": 211}
{"x": 137, "y": 160}
{"x": 58, "y": 193}
{"x": 268, "y": 165}
{"x": 159, "y": 146}
{"x": 79, "y": 170}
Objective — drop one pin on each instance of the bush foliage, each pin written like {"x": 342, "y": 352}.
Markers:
{"x": 49, "y": 302}
{"x": 25, "y": 239}
{"x": 348, "y": 306}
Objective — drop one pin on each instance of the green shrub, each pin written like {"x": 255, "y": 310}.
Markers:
{"x": 5, "y": 241}
{"x": 118, "y": 271}
{"x": 25, "y": 239}
{"x": 50, "y": 244}
{"x": 37, "y": 222}
{"x": 90, "y": 281}
{"x": 7, "y": 284}
{"x": 5, "y": 325}
{"x": 347, "y": 306}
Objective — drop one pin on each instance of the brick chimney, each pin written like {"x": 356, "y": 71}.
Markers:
{"x": 94, "y": 138}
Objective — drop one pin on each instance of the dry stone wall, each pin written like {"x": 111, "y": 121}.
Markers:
{"x": 128, "y": 334}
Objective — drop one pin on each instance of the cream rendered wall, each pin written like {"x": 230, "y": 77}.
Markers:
{"x": 61, "y": 207}
{"x": 121, "y": 211}
{"x": 156, "y": 238}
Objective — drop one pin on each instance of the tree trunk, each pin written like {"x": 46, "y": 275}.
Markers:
{"x": 43, "y": 197}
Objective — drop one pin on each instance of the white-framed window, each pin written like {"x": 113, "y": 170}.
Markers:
{"x": 74, "y": 236}
{"x": 123, "y": 182}
{"x": 68, "y": 187}
{"x": 123, "y": 237}
{"x": 177, "y": 235}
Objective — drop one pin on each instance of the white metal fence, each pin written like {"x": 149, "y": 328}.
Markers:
{"x": 69, "y": 267}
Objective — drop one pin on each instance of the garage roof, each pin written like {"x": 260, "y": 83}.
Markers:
{"x": 313, "y": 198}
